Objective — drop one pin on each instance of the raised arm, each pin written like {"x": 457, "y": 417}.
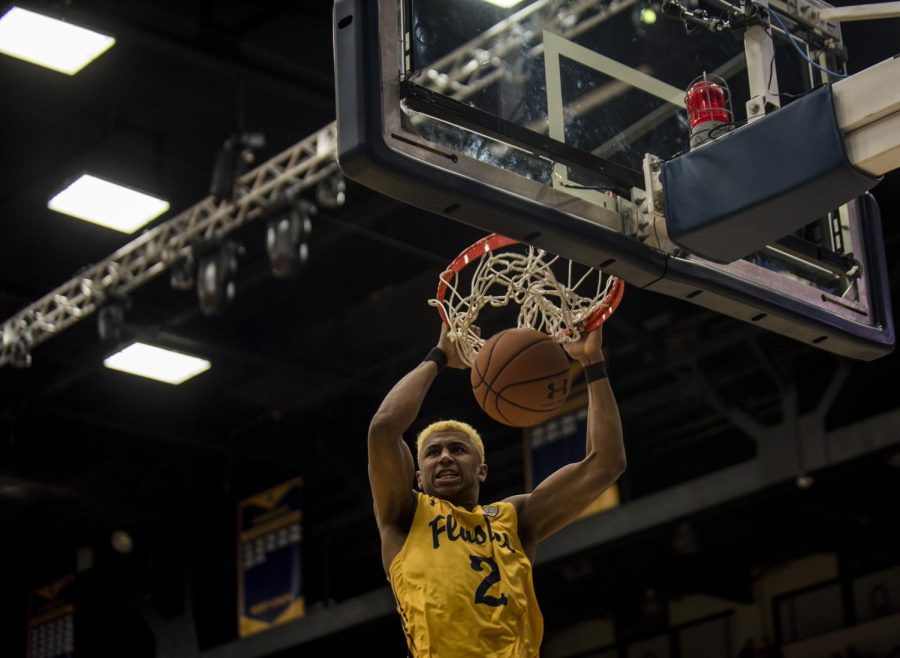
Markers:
{"x": 559, "y": 499}
{"x": 391, "y": 466}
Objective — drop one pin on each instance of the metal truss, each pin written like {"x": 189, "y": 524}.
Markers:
{"x": 299, "y": 167}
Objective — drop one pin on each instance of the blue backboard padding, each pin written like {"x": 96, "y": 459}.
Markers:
{"x": 736, "y": 194}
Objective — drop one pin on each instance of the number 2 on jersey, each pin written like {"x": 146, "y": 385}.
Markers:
{"x": 493, "y": 577}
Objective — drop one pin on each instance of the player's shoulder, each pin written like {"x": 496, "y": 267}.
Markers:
{"x": 516, "y": 502}
{"x": 403, "y": 516}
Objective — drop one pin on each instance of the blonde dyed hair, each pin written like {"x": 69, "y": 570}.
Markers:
{"x": 451, "y": 426}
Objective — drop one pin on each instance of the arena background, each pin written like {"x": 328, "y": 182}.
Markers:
{"x": 300, "y": 365}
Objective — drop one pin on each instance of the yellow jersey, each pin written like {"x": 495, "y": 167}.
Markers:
{"x": 463, "y": 584}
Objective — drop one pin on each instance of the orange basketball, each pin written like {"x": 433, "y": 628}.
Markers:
{"x": 521, "y": 377}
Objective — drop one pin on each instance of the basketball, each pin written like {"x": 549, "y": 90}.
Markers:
{"x": 521, "y": 377}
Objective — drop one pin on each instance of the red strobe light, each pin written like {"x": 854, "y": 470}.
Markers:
{"x": 708, "y": 104}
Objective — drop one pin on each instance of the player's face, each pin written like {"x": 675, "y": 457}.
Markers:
{"x": 450, "y": 467}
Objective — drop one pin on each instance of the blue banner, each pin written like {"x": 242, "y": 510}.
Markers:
{"x": 51, "y": 620}
{"x": 270, "y": 577}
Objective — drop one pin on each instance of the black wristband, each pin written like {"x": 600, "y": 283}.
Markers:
{"x": 438, "y": 356}
{"x": 594, "y": 372}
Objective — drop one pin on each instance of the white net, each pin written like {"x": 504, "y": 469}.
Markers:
{"x": 554, "y": 295}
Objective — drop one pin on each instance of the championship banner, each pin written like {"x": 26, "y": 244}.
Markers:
{"x": 270, "y": 580}
{"x": 559, "y": 441}
{"x": 51, "y": 620}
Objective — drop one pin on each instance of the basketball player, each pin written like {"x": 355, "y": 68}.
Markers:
{"x": 461, "y": 572}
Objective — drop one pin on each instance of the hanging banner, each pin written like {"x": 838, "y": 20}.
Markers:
{"x": 270, "y": 580}
{"x": 51, "y": 620}
{"x": 559, "y": 441}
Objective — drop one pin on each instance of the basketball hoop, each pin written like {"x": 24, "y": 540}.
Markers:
{"x": 555, "y": 295}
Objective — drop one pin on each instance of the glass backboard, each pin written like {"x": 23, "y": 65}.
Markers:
{"x": 545, "y": 121}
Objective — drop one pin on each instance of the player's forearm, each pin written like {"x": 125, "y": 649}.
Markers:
{"x": 402, "y": 404}
{"x": 604, "y": 428}
{"x": 605, "y": 448}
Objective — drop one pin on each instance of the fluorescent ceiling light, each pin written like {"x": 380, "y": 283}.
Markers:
{"x": 506, "y": 4}
{"x": 101, "y": 202}
{"x": 156, "y": 363}
{"x": 50, "y": 42}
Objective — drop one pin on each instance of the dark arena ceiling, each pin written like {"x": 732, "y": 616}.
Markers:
{"x": 300, "y": 365}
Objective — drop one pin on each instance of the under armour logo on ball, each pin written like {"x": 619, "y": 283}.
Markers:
{"x": 556, "y": 387}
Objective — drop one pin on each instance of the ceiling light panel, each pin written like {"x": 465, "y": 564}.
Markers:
{"x": 157, "y": 363}
{"x": 107, "y": 204}
{"x": 49, "y": 42}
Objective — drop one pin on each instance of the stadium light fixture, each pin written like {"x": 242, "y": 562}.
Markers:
{"x": 287, "y": 236}
{"x": 157, "y": 363}
{"x": 216, "y": 281}
{"x": 49, "y": 42}
{"x": 108, "y": 204}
